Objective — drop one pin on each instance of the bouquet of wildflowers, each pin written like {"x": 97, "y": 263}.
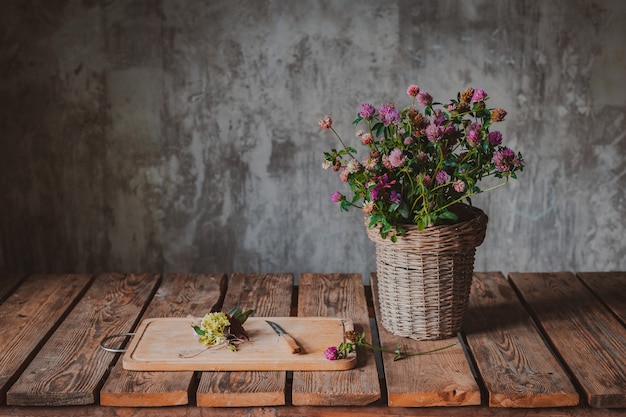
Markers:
{"x": 419, "y": 164}
{"x": 220, "y": 329}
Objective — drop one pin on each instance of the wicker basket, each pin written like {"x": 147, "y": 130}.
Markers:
{"x": 424, "y": 278}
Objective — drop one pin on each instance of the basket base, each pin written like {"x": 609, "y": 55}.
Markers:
{"x": 425, "y": 305}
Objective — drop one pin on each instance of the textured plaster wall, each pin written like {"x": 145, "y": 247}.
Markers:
{"x": 181, "y": 135}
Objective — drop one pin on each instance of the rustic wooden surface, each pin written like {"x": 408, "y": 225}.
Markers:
{"x": 514, "y": 362}
{"x": 8, "y": 283}
{"x": 333, "y": 295}
{"x": 27, "y": 317}
{"x": 159, "y": 343}
{"x": 610, "y": 287}
{"x": 310, "y": 411}
{"x": 178, "y": 296}
{"x": 69, "y": 367}
{"x": 268, "y": 295}
{"x": 439, "y": 379}
{"x": 582, "y": 330}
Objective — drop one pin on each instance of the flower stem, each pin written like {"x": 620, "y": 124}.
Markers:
{"x": 398, "y": 352}
{"x": 343, "y": 144}
{"x": 471, "y": 194}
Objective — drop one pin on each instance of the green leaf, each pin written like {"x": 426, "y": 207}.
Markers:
{"x": 238, "y": 314}
{"x": 403, "y": 210}
{"x": 378, "y": 128}
{"x": 448, "y": 215}
{"x": 422, "y": 223}
{"x": 358, "y": 119}
{"x": 449, "y": 163}
{"x": 198, "y": 330}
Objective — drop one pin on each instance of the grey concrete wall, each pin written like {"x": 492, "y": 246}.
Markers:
{"x": 181, "y": 135}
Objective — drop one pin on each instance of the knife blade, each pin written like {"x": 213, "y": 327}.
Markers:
{"x": 285, "y": 338}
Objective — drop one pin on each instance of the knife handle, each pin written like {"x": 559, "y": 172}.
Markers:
{"x": 290, "y": 342}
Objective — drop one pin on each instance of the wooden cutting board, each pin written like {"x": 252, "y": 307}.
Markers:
{"x": 169, "y": 344}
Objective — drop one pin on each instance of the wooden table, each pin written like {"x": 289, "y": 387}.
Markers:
{"x": 535, "y": 344}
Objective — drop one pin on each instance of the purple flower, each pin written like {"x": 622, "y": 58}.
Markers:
{"x": 336, "y": 197}
{"x": 331, "y": 353}
{"x": 373, "y": 190}
{"x": 439, "y": 117}
{"x": 424, "y": 99}
{"x": 367, "y": 110}
{"x": 390, "y": 116}
{"x": 473, "y": 134}
{"x": 451, "y": 131}
{"x": 384, "y": 182}
{"x": 396, "y": 158}
{"x": 384, "y": 109}
{"x": 434, "y": 133}
{"x": 495, "y": 138}
{"x": 442, "y": 177}
{"x": 473, "y": 137}
{"x": 395, "y": 197}
{"x": 505, "y": 160}
{"x": 479, "y": 95}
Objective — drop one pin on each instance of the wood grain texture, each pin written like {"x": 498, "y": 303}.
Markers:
{"x": 610, "y": 287}
{"x": 442, "y": 378}
{"x": 375, "y": 410}
{"x": 591, "y": 341}
{"x": 159, "y": 343}
{"x": 515, "y": 363}
{"x": 342, "y": 296}
{"x": 269, "y": 295}
{"x": 178, "y": 295}
{"x": 29, "y": 315}
{"x": 8, "y": 282}
{"x": 69, "y": 367}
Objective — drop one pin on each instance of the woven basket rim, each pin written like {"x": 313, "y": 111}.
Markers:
{"x": 457, "y": 237}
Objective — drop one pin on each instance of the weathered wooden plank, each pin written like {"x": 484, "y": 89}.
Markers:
{"x": 70, "y": 366}
{"x": 268, "y": 295}
{"x": 610, "y": 287}
{"x": 515, "y": 363}
{"x": 590, "y": 340}
{"x": 376, "y": 410}
{"x": 29, "y": 315}
{"x": 442, "y": 378}
{"x": 179, "y": 295}
{"x": 342, "y": 296}
{"x": 290, "y": 411}
{"x": 8, "y": 283}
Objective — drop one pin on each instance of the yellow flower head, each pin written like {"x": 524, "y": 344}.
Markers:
{"x": 214, "y": 325}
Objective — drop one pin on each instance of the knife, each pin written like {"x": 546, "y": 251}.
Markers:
{"x": 287, "y": 340}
